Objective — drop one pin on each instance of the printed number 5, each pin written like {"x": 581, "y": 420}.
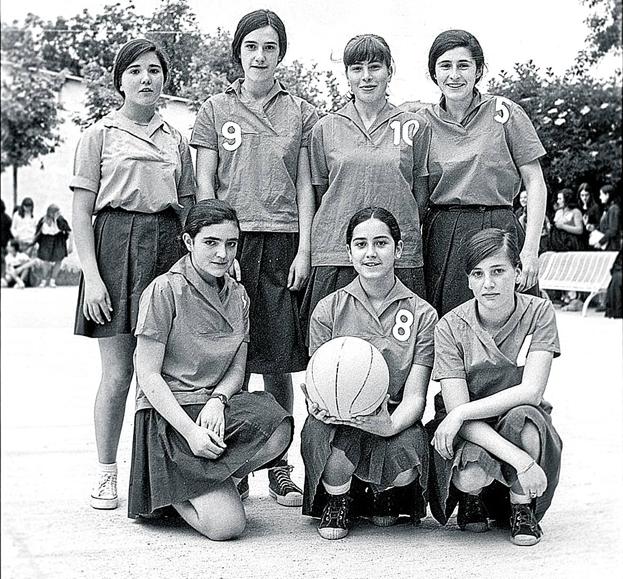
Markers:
{"x": 501, "y": 106}
{"x": 233, "y": 133}
{"x": 404, "y": 131}
{"x": 402, "y": 328}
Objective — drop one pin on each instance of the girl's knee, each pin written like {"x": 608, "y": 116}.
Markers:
{"x": 225, "y": 529}
{"x": 471, "y": 479}
{"x": 280, "y": 439}
{"x": 405, "y": 478}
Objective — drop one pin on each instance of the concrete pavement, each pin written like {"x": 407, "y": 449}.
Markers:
{"x": 49, "y": 380}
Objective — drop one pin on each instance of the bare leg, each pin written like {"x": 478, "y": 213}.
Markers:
{"x": 531, "y": 443}
{"x": 117, "y": 369}
{"x": 217, "y": 514}
{"x": 339, "y": 470}
{"x": 280, "y": 386}
{"x": 56, "y": 267}
{"x": 471, "y": 479}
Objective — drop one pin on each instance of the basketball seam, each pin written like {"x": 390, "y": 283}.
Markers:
{"x": 337, "y": 372}
{"x": 365, "y": 380}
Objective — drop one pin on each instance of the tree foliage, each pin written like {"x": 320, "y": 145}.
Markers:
{"x": 604, "y": 24}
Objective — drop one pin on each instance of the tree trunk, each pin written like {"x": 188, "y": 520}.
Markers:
{"x": 14, "y": 186}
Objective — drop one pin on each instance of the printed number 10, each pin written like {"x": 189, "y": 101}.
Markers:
{"x": 403, "y": 132}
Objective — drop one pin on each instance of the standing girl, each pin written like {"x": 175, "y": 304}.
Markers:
{"x": 483, "y": 149}
{"x": 52, "y": 235}
{"x": 251, "y": 145}
{"x": 195, "y": 433}
{"x": 495, "y": 442}
{"x": 23, "y": 225}
{"x": 134, "y": 172}
{"x": 367, "y": 153}
{"x": 387, "y": 451}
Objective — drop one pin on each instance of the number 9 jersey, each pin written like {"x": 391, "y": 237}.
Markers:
{"x": 258, "y": 151}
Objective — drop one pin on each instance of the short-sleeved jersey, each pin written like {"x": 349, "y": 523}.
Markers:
{"x": 362, "y": 167}
{"x": 133, "y": 170}
{"x": 476, "y": 162}
{"x": 258, "y": 153}
{"x": 490, "y": 364}
{"x": 402, "y": 331}
{"x": 202, "y": 329}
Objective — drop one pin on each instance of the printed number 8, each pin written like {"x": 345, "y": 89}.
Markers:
{"x": 232, "y": 132}
{"x": 402, "y": 328}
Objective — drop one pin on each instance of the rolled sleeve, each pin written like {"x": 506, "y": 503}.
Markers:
{"x": 204, "y": 131}
{"x": 424, "y": 351}
{"x": 317, "y": 158}
{"x": 545, "y": 336}
{"x": 421, "y": 148}
{"x": 449, "y": 362}
{"x": 522, "y": 138}
{"x": 156, "y": 311}
{"x": 320, "y": 326}
{"x": 187, "y": 184}
{"x": 310, "y": 118}
{"x": 87, "y": 161}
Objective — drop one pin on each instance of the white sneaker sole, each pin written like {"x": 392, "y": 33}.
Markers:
{"x": 332, "y": 534}
{"x": 387, "y": 521}
{"x": 525, "y": 540}
{"x": 104, "y": 504}
{"x": 290, "y": 500}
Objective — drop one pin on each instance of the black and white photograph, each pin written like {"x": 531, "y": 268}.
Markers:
{"x": 326, "y": 289}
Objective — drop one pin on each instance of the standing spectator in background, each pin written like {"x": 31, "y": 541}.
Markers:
{"x": 610, "y": 221}
{"x": 23, "y": 225}
{"x": 590, "y": 210}
{"x": 522, "y": 217}
{"x": 5, "y": 232}
{"x": 51, "y": 234}
{"x": 566, "y": 232}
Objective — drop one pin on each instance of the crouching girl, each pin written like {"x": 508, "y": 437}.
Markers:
{"x": 385, "y": 455}
{"x": 196, "y": 434}
{"x": 495, "y": 443}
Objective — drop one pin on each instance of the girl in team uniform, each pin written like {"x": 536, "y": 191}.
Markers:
{"x": 367, "y": 153}
{"x": 195, "y": 432}
{"x": 384, "y": 455}
{"x": 483, "y": 148}
{"x": 134, "y": 172}
{"x": 251, "y": 145}
{"x": 493, "y": 437}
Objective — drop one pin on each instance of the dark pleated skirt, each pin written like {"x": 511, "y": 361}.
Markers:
{"x": 559, "y": 240}
{"x": 52, "y": 248}
{"x": 446, "y": 230}
{"x": 379, "y": 461}
{"x": 442, "y": 494}
{"x": 164, "y": 470}
{"x": 131, "y": 249}
{"x": 326, "y": 279}
{"x": 277, "y": 344}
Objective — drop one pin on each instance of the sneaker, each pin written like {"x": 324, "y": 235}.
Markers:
{"x": 384, "y": 508}
{"x": 243, "y": 488}
{"x": 281, "y": 487}
{"x": 472, "y": 515}
{"x": 336, "y": 518}
{"x": 525, "y": 530}
{"x": 43, "y": 283}
{"x": 52, "y": 283}
{"x": 104, "y": 494}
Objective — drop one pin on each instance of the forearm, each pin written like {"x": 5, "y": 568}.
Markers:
{"x": 85, "y": 244}
{"x": 407, "y": 413}
{"x": 207, "y": 166}
{"x": 420, "y": 192}
{"x": 498, "y": 403}
{"x": 483, "y": 435}
{"x": 535, "y": 210}
{"x": 306, "y": 208}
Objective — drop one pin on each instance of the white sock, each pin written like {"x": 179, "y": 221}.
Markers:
{"x": 337, "y": 489}
{"x": 519, "y": 499}
{"x": 107, "y": 468}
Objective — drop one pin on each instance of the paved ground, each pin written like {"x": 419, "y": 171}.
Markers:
{"x": 49, "y": 380}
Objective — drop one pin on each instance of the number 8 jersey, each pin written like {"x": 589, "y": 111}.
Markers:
{"x": 258, "y": 153}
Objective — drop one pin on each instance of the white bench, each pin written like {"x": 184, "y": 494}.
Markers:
{"x": 580, "y": 271}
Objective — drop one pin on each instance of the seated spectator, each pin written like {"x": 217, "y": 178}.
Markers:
{"x": 17, "y": 265}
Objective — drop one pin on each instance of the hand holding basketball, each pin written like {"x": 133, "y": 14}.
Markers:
{"x": 379, "y": 423}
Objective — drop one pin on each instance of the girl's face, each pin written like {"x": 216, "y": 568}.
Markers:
{"x": 28, "y": 209}
{"x": 213, "y": 249}
{"x": 373, "y": 251}
{"x": 143, "y": 80}
{"x": 604, "y": 197}
{"x": 259, "y": 54}
{"x": 523, "y": 198}
{"x": 493, "y": 281}
{"x": 456, "y": 74}
{"x": 560, "y": 200}
{"x": 585, "y": 196}
{"x": 368, "y": 80}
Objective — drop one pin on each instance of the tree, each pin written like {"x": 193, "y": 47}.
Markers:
{"x": 577, "y": 118}
{"x": 604, "y": 24}
{"x": 29, "y": 114}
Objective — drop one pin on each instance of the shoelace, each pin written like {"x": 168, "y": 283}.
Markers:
{"x": 282, "y": 474}
{"x": 108, "y": 485}
{"x": 522, "y": 518}
{"x": 336, "y": 509}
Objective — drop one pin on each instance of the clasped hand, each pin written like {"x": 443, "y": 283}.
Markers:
{"x": 446, "y": 432}
{"x": 207, "y": 439}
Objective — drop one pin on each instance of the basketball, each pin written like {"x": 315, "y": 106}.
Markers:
{"x": 347, "y": 377}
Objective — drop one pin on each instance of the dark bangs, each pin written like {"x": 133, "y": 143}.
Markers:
{"x": 367, "y": 48}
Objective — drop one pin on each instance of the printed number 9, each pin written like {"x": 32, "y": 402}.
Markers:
{"x": 403, "y": 132}
{"x": 402, "y": 328}
{"x": 232, "y": 132}
{"x": 501, "y": 107}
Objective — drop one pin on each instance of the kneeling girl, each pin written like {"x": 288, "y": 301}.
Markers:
{"x": 495, "y": 443}
{"x": 196, "y": 434}
{"x": 387, "y": 450}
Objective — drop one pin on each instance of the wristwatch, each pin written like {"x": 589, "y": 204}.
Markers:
{"x": 221, "y": 397}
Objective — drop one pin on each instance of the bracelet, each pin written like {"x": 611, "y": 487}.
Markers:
{"x": 525, "y": 470}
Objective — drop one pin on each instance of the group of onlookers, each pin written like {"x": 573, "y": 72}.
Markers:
{"x": 27, "y": 242}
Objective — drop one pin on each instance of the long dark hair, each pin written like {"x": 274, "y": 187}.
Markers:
{"x": 26, "y": 202}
